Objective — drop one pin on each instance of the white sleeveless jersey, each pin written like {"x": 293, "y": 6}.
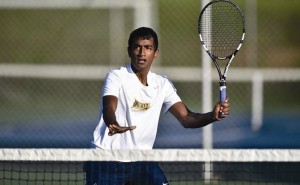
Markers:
{"x": 138, "y": 105}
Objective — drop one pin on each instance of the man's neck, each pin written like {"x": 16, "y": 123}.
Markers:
{"x": 143, "y": 78}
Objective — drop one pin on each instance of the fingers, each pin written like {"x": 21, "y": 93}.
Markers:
{"x": 114, "y": 129}
{"x": 222, "y": 110}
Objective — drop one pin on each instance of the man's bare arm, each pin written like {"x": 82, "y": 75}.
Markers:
{"x": 191, "y": 119}
{"x": 110, "y": 104}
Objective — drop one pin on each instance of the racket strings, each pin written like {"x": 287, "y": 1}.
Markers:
{"x": 221, "y": 28}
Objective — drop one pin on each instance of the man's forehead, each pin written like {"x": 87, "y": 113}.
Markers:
{"x": 144, "y": 40}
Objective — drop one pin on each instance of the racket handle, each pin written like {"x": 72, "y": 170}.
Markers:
{"x": 222, "y": 93}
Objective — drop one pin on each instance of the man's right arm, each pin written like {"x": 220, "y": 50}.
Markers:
{"x": 110, "y": 104}
{"x": 109, "y": 108}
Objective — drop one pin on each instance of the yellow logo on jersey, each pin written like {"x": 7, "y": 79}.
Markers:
{"x": 140, "y": 106}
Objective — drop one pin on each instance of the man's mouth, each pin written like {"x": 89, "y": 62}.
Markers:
{"x": 141, "y": 61}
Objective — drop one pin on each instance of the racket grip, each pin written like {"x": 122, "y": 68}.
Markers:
{"x": 222, "y": 93}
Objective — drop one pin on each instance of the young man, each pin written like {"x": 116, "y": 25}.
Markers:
{"x": 132, "y": 99}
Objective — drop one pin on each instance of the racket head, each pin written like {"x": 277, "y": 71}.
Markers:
{"x": 221, "y": 27}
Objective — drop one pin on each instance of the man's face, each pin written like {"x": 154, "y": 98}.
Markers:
{"x": 142, "y": 54}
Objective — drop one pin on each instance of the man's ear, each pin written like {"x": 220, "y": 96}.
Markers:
{"x": 156, "y": 53}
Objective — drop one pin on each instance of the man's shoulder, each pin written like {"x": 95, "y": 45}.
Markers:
{"x": 119, "y": 71}
{"x": 161, "y": 79}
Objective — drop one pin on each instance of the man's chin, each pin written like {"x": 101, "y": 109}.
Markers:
{"x": 140, "y": 66}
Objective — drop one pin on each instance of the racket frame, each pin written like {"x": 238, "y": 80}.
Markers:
{"x": 230, "y": 57}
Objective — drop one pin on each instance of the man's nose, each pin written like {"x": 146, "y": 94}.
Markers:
{"x": 142, "y": 51}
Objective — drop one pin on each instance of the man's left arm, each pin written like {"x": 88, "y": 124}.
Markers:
{"x": 190, "y": 119}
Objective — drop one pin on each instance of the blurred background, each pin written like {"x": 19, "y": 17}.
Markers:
{"x": 54, "y": 56}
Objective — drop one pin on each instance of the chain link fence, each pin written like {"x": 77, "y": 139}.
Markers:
{"x": 43, "y": 111}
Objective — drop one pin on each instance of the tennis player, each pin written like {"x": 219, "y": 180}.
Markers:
{"x": 132, "y": 100}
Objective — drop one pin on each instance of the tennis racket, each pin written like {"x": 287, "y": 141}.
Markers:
{"x": 221, "y": 29}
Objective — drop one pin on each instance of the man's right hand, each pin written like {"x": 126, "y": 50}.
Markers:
{"x": 115, "y": 129}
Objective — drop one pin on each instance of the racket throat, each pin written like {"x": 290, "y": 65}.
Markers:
{"x": 222, "y": 79}
{"x": 222, "y": 83}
